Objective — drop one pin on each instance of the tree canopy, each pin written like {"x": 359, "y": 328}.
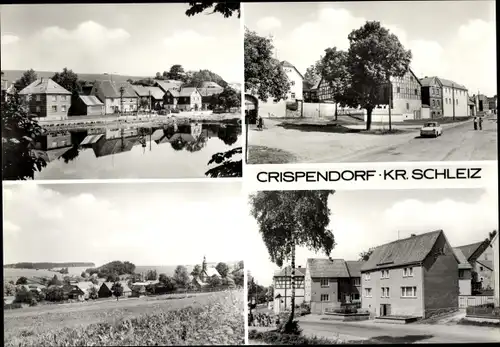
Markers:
{"x": 226, "y": 8}
{"x": 333, "y": 68}
{"x": 293, "y": 218}
{"x": 222, "y": 269}
{"x": 28, "y": 77}
{"x": 181, "y": 276}
{"x": 264, "y": 75}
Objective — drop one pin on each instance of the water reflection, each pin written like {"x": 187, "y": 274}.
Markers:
{"x": 71, "y": 148}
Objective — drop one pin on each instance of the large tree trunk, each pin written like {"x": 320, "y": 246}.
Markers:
{"x": 369, "y": 118}
{"x": 292, "y": 312}
{"x": 336, "y": 114}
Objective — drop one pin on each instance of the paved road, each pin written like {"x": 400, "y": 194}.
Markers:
{"x": 457, "y": 143}
{"x": 394, "y": 333}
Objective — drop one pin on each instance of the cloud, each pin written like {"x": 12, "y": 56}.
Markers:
{"x": 10, "y": 228}
{"x": 189, "y": 38}
{"x": 8, "y": 39}
{"x": 268, "y": 23}
{"x": 86, "y": 32}
{"x": 455, "y": 59}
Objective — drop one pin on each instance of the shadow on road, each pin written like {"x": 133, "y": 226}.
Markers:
{"x": 424, "y": 137}
{"x": 400, "y": 339}
{"x": 322, "y": 128}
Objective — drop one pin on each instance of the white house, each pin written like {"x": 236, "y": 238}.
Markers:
{"x": 455, "y": 99}
{"x": 282, "y": 282}
{"x": 494, "y": 244}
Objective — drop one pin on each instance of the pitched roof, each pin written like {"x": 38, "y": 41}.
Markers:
{"x": 211, "y": 271}
{"x": 413, "y": 249}
{"x": 85, "y": 286}
{"x": 287, "y": 64}
{"x": 450, "y": 83}
{"x": 487, "y": 263}
{"x": 175, "y": 93}
{"x": 169, "y": 84}
{"x": 354, "y": 267}
{"x": 287, "y": 271}
{"x": 140, "y": 90}
{"x": 91, "y": 100}
{"x": 210, "y": 91}
{"x": 469, "y": 250}
{"x": 111, "y": 89}
{"x": 209, "y": 85}
{"x": 327, "y": 268}
{"x": 462, "y": 260}
{"x": 156, "y": 92}
{"x": 427, "y": 81}
{"x": 44, "y": 86}
{"x": 187, "y": 91}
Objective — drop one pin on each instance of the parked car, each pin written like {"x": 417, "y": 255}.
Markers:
{"x": 432, "y": 129}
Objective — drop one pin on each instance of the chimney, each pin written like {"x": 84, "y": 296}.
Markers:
{"x": 300, "y": 266}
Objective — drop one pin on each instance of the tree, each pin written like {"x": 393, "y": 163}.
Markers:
{"x": 228, "y": 135}
{"x": 176, "y": 72}
{"x": 229, "y": 98}
{"x": 19, "y": 134}
{"x": 288, "y": 219}
{"x": 151, "y": 275}
{"x": 196, "y": 145}
{"x": 64, "y": 271}
{"x": 9, "y": 289}
{"x": 84, "y": 274}
{"x": 264, "y": 75}
{"x": 117, "y": 290}
{"x": 28, "y": 77}
{"x": 94, "y": 281}
{"x": 222, "y": 269}
{"x": 333, "y": 69}
{"x": 214, "y": 281}
{"x": 312, "y": 75}
{"x": 113, "y": 277}
{"x": 227, "y": 167}
{"x": 93, "y": 293}
{"x": 158, "y": 76}
{"x": 364, "y": 256}
{"x": 22, "y": 280}
{"x": 375, "y": 55}
{"x": 68, "y": 80}
{"x": 168, "y": 283}
{"x": 229, "y": 282}
{"x": 227, "y": 9}
{"x": 24, "y": 295}
{"x": 54, "y": 281}
{"x": 196, "y": 78}
{"x": 196, "y": 271}
{"x": 55, "y": 294}
{"x": 181, "y": 276}
{"x": 492, "y": 234}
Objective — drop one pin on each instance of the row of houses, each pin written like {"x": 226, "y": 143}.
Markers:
{"x": 412, "y": 97}
{"x": 415, "y": 276}
{"x": 48, "y": 100}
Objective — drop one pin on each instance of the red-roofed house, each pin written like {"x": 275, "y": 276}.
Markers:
{"x": 47, "y": 100}
{"x": 282, "y": 281}
{"x": 329, "y": 283}
{"x": 414, "y": 277}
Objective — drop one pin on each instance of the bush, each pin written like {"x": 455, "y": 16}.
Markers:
{"x": 292, "y": 105}
{"x": 12, "y": 306}
{"x": 485, "y": 309}
{"x": 275, "y": 338}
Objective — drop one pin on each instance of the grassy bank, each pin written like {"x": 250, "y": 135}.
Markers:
{"x": 267, "y": 155}
{"x": 201, "y": 320}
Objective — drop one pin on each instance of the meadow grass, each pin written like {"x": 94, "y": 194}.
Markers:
{"x": 210, "y": 319}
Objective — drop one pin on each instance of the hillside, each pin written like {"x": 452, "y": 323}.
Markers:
{"x": 47, "y": 266}
{"x": 12, "y": 75}
{"x": 169, "y": 270}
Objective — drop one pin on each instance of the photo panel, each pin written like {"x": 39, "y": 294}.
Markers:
{"x": 129, "y": 264}
{"x": 101, "y": 91}
{"x": 372, "y": 266}
{"x": 371, "y": 81}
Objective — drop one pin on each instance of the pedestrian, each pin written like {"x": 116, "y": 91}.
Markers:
{"x": 475, "y": 123}
{"x": 480, "y": 123}
{"x": 259, "y": 122}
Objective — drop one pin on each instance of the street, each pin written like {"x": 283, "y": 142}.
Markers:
{"x": 395, "y": 333}
{"x": 459, "y": 142}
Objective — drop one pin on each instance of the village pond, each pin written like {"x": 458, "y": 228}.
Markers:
{"x": 161, "y": 151}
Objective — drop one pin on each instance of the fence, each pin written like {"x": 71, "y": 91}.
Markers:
{"x": 465, "y": 301}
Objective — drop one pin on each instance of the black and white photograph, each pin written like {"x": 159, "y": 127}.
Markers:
{"x": 373, "y": 266}
{"x": 110, "y": 91}
{"x": 137, "y": 264}
{"x": 370, "y": 81}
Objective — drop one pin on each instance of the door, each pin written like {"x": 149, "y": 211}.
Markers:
{"x": 385, "y": 310}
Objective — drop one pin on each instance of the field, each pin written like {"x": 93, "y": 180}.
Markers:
{"x": 202, "y": 319}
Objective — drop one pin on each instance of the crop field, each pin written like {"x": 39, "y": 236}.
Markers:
{"x": 201, "y": 319}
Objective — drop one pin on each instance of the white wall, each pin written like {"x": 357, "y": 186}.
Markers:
{"x": 380, "y": 115}
{"x": 461, "y": 102}
{"x": 296, "y": 84}
{"x": 278, "y": 109}
{"x": 495, "y": 246}
{"x": 315, "y": 110}
{"x": 426, "y": 113}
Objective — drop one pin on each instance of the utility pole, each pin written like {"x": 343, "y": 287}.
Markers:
{"x": 122, "y": 90}
{"x": 390, "y": 104}
{"x": 285, "y": 285}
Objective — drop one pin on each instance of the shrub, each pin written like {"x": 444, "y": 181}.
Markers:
{"x": 292, "y": 105}
{"x": 12, "y": 306}
{"x": 275, "y": 338}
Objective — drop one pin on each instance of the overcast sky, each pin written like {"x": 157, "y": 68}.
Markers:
{"x": 367, "y": 218}
{"x": 145, "y": 223}
{"x": 452, "y": 39}
{"x": 129, "y": 39}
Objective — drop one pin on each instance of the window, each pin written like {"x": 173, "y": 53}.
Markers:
{"x": 355, "y": 296}
{"x": 481, "y": 268}
{"x": 367, "y": 276}
{"x": 368, "y": 292}
{"x": 409, "y": 292}
{"x": 63, "y": 97}
{"x": 457, "y": 101}
{"x": 38, "y": 97}
{"x": 63, "y": 108}
{"x": 292, "y": 83}
{"x": 54, "y": 97}
{"x": 325, "y": 297}
{"x": 38, "y": 109}
{"x": 293, "y": 95}
{"x": 385, "y": 292}
{"x": 408, "y": 272}
{"x": 385, "y": 274}
{"x": 407, "y": 106}
{"x": 438, "y": 102}
{"x": 461, "y": 273}
{"x": 437, "y": 91}
{"x": 416, "y": 92}
{"x": 356, "y": 281}
{"x": 54, "y": 108}
{"x": 433, "y": 102}
{"x": 324, "y": 282}
{"x": 398, "y": 89}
